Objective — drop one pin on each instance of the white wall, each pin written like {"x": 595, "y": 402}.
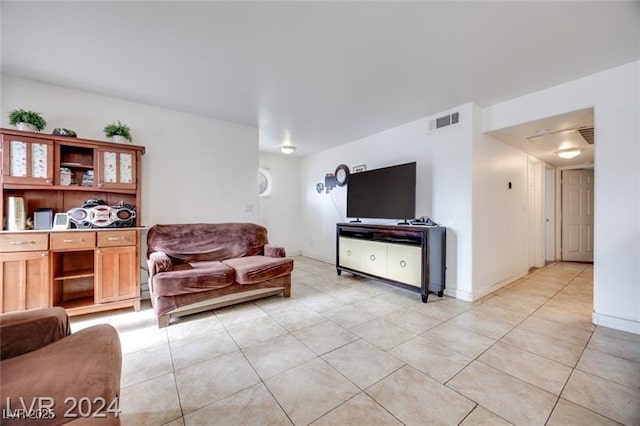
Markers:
{"x": 462, "y": 184}
{"x": 443, "y": 188}
{"x": 194, "y": 169}
{"x": 280, "y": 211}
{"x": 615, "y": 96}
{"x": 499, "y": 214}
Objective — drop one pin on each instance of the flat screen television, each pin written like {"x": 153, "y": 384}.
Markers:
{"x": 385, "y": 193}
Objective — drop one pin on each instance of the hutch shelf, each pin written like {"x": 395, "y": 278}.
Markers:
{"x": 82, "y": 270}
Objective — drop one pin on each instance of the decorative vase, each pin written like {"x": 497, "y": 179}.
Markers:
{"x": 27, "y": 127}
{"x": 119, "y": 139}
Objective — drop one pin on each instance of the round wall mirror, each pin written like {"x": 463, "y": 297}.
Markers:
{"x": 264, "y": 182}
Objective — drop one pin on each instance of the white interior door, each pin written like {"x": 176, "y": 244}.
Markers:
{"x": 577, "y": 215}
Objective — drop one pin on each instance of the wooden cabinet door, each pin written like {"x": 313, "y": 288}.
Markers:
{"x": 117, "y": 169}
{"x": 24, "y": 281}
{"x": 27, "y": 161}
{"x": 116, "y": 274}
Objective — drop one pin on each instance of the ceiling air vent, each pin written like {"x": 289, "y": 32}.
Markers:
{"x": 444, "y": 121}
{"x": 587, "y": 134}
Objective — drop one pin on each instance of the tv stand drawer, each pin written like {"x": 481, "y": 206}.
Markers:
{"x": 404, "y": 264}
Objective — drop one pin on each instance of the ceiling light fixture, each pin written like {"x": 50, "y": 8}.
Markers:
{"x": 569, "y": 152}
{"x": 287, "y": 149}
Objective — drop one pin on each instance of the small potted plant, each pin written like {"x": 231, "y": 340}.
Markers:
{"x": 27, "y": 120}
{"x": 118, "y": 132}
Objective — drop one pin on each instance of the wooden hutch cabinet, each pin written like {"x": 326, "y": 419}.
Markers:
{"x": 83, "y": 270}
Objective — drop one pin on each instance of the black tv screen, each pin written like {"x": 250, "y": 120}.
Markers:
{"x": 386, "y": 193}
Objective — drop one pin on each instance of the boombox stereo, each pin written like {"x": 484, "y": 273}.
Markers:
{"x": 97, "y": 214}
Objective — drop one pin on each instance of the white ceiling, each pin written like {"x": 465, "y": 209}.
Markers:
{"x": 542, "y": 138}
{"x": 319, "y": 74}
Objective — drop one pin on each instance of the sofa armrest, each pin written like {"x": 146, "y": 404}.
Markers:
{"x": 26, "y": 331}
{"x": 274, "y": 251}
{"x": 159, "y": 262}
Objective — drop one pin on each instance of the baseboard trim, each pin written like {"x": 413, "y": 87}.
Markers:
{"x": 314, "y": 256}
{"x": 473, "y": 296}
{"x": 616, "y": 323}
{"x": 500, "y": 284}
{"x": 459, "y": 294}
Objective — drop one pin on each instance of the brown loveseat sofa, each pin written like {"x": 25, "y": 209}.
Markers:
{"x": 197, "y": 267}
{"x": 62, "y": 377}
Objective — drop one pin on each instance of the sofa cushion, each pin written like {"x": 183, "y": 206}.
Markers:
{"x": 86, "y": 364}
{"x": 26, "y": 331}
{"x": 254, "y": 269}
{"x": 192, "y": 277}
{"x": 195, "y": 242}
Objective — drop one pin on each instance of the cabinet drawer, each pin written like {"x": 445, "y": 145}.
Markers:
{"x": 73, "y": 240}
{"x": 349, "y": 254}
{"x": 374, "y": 260}
{"x": 23, "y": 242}
{"x": 405, "y": 264}
{"x": 116, "y": 238}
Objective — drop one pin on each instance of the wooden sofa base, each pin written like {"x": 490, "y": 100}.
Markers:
{"x": 220, "y": 302}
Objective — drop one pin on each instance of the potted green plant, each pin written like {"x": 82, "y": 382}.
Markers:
{"x": 27, "y": 120}
{"x": 118, "y": 132}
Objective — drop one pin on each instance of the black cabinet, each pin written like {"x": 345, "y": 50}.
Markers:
{"x": 411, "y": 257}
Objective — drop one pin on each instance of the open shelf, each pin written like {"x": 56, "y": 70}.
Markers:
{"x": 72, "y": 278}
{"x": 70, "y": 188}
{"x": 83, "y": 273}
{"x": 77, "y": 303}
{"x": 72, "y": 165}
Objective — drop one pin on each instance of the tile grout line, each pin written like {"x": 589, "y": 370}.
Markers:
{"x": 316, "y": 357}
{"x": 322, "y": 314}
{"x": 611, "y": 355}
{"x": 603, "y": 378}
{"x": 175, "y": 380}
{"x": 265, "y": 386}
{"x": 476, "y": 359}
{"x": 569, "y": 378}
{"x": 320, "y": 356}
{"x": 360, "y": 390}
{"x": 574, "y": 367}
{"x": 364, "y": 392}
{"x": 240, "y": 349}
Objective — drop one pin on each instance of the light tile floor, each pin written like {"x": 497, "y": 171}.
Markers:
{"x": 344, "y": 350}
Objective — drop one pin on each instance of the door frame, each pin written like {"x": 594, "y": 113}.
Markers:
{"x": 550, "y": 252}
{"x": 535, "y": 212}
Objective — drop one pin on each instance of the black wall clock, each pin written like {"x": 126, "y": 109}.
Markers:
{"x": 342, "y": 174}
